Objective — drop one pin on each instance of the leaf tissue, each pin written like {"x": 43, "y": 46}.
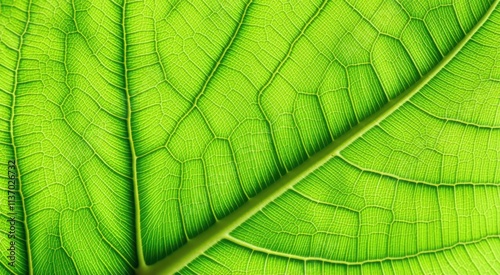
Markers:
{"x": 250, "y": 136}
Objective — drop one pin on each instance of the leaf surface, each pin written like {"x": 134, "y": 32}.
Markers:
{"x": 252, "y": 136}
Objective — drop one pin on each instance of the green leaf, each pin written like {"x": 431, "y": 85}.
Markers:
{"x": 251, "y": 136}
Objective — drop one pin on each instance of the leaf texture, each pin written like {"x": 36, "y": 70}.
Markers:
{"x": 215, "y": 137}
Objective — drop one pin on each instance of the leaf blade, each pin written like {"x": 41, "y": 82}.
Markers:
{"x": 221, "y": 230}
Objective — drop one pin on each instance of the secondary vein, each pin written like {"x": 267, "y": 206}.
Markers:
{"x": 14, "y": 148}
{"x": 252, "y": 247}
{"x": 137, "y": 208}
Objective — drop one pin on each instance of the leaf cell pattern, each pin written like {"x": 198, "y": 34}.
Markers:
{"x": 285, "y": 136}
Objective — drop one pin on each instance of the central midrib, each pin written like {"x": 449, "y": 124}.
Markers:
{"x": 197, "y": 245}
